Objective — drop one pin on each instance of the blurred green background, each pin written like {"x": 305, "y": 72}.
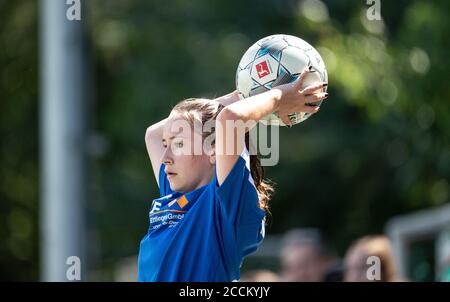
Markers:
{"x": 380, "y": 146}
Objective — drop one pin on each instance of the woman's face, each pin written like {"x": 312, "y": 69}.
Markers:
{"x": 188, "y": 166}
{"x": 355, "y": 266}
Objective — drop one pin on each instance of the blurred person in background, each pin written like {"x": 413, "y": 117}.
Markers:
{"x": 356, "y": 259}
{"x": 260, "y": 275}
{"x": 306, "y": 257}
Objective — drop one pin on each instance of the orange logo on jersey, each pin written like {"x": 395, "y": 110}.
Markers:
{"x": 182, "y": 201}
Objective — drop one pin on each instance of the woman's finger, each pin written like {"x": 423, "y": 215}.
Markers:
{"x": 317, "y": 97}
{"x": 313, "y": 88}
{"x": 285, "y": 120}
{"x": 311, "y": 109}
{"x": 299, "y": 83}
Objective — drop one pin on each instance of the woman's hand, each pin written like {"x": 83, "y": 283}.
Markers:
{"x": 295, "y": 99}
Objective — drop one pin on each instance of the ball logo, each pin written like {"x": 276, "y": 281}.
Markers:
{"x": 262, "y": 69}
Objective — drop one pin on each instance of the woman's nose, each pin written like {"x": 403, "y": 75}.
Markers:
{"x": 166, "y": 159}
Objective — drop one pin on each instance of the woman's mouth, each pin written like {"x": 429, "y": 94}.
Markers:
{"x": 171, "y": 175}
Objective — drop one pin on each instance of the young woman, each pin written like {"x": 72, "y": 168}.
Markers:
{"x": 212, "y": 204}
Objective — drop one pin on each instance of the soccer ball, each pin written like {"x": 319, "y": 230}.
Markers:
{"x": 277, "y": 60}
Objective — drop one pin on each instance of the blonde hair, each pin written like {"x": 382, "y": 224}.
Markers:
{"x": 380, "y": 246}
{"x": 209, "y": 110}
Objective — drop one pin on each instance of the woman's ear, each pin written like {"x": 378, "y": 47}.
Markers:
{"x": 212, "y": 157}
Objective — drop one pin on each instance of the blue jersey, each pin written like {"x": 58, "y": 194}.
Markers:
{"x": 205, "y": 234}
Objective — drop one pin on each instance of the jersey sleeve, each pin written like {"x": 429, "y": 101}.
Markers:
{"x": 164, "y": 185}
{"x": 238, "y": 196}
